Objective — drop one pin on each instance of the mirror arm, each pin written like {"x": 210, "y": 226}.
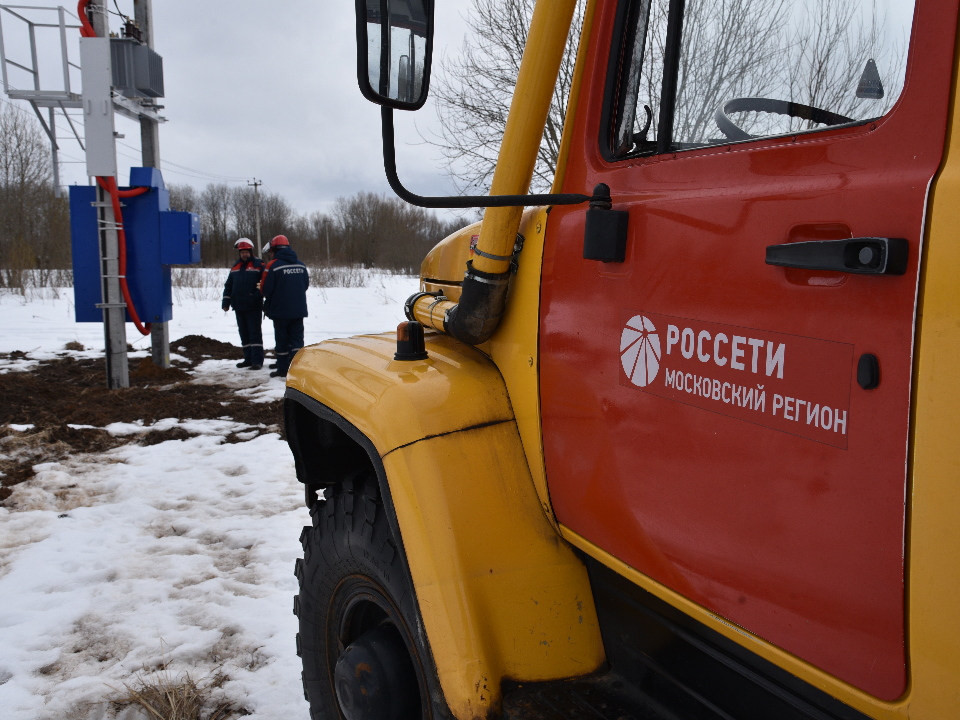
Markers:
{"x": 461, "y": 201}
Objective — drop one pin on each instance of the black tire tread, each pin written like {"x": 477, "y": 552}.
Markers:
{"x": 349, "y": 534}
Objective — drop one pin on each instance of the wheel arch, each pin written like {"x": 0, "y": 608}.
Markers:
{"x": 499, "y": 594}
{"x": 343, "y": 451}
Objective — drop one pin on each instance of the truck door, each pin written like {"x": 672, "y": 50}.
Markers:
{"x": 733, "y": 429}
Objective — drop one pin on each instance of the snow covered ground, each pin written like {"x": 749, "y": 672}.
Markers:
{"x": 42, "y": 323}
{"x": 179, "y": 553}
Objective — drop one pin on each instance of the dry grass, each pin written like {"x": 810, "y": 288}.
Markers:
{"x": 20, "y": 450}
{"x": 340, "y": 276}
{"x": 196, "y": 283}
{"x": 165, "y": 696}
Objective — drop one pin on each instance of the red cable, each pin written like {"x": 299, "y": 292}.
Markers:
{"x": 133, "y": 192}
{"x": 110, "y": 185}
{"x": 86, "y": 29}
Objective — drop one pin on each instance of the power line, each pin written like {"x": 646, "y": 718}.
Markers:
{"x": 228, "y": 178}
{"x": 184, "y": 170}
{"x": 169, "y": 170}
{"x": 214, "y": 176}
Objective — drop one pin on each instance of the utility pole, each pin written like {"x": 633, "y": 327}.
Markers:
{"x": 149, "y": 128}
{"x": 150, "y": 150}
{"x": 326, "y": 225}
{"x": 256, "y": 201}
{"x": 99, "y": 18}
{"x": 97, "y": 78}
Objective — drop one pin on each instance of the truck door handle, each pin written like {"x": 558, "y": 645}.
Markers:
{"x": 863, "y": 256}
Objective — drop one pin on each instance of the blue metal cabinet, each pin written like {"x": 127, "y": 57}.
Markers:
{"x": 156, "y": 239}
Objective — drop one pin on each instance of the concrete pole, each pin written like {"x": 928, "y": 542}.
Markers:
{"x": 256, "y": 202}
{"x": 150, "y": 149}
{"x": 54, "y": 154}
{"x": 112, "y": 305}
{"x": 99, "y": 17}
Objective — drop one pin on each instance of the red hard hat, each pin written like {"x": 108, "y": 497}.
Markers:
{"x": 279, "y": 240}
{"x": 243, "y": 244}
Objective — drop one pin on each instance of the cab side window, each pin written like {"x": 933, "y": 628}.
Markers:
{"x": 708, "y": 72}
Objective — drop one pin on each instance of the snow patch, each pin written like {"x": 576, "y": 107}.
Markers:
{"x": 179, "y": 553}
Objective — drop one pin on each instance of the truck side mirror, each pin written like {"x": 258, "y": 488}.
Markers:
{"x": 394, "y": 46}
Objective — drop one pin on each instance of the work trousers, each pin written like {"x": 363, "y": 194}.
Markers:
{"x": 251, "y": 335}
{"x": 289, "y": 337}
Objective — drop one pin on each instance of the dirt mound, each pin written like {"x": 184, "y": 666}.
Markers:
{"x": 26, "y": 448}
{"x": 64, "y": 392}
{"x": 72, "y": 391}
{"x": 198, "y": 348}
{"x": 15, "y": 355}
{"x": 148, "y": 370}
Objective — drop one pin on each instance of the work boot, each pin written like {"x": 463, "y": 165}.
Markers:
{"x": 277, "y": 374}
{"x": 245, "y": 363}
{"x": 256, "y": 367}
{"x": 272, "y": 366}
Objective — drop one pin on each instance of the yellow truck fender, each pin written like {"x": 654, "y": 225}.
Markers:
{"x": 501, "y": 596}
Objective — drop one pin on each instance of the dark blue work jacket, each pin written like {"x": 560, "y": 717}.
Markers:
{"x": 285, "y": 283}
{"x": 241, "y": 289}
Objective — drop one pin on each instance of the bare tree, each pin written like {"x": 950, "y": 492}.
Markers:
{"x": 215, "y": 223}
{"x": 730, "y": 49}
{"x": 244, "y": 213}
{"x": 184, "y": 197}
{"x": 379, "y": 231}
{"x": 806, "y": 51}
{"x": 810, "y": 52}
{"x": 473, "y": 90}
{"x": 34, "y": 224}
{"x": 320, "y": 227}
{"x": 276, "y": 216}
{"x": 828, "y": 54}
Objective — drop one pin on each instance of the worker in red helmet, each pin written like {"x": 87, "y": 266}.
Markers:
{"x": 242, "y": 291}
{"x": 285, "y": 282}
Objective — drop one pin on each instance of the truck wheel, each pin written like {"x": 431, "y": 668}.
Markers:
{"x": 363, "y": 658}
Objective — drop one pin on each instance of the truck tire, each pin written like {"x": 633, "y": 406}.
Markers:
{"x": 362, "y": 652}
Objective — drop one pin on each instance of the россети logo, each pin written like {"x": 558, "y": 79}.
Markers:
{"x": 640, "y": 351}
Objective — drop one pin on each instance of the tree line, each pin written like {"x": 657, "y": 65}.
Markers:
{"x": 365, "y": 229}
{"x": 34, "y": 223}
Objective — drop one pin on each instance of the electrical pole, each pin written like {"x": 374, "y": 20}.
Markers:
{"x": 326, "y": 225}
{"x": 150, "y": 150}
{"x": 99, "y": 18}
{"x": 100, "y": 135}
{"x": 149, "y": 128}
{"x": 256, "y": 201}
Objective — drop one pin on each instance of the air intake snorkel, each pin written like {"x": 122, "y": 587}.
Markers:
{"x": 484, "y": 291}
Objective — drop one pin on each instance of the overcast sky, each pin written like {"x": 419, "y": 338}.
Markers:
{"x": 265, "y": 90}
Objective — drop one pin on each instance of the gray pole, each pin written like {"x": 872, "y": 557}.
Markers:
{"x": 326, "y": 225}
{"x": 256, "y": 201}
{"x": 150, "y": 149}
{"x": 55, "y": 156}
{"x": 113, "y": 305}
{"x": 99, "y": 17}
